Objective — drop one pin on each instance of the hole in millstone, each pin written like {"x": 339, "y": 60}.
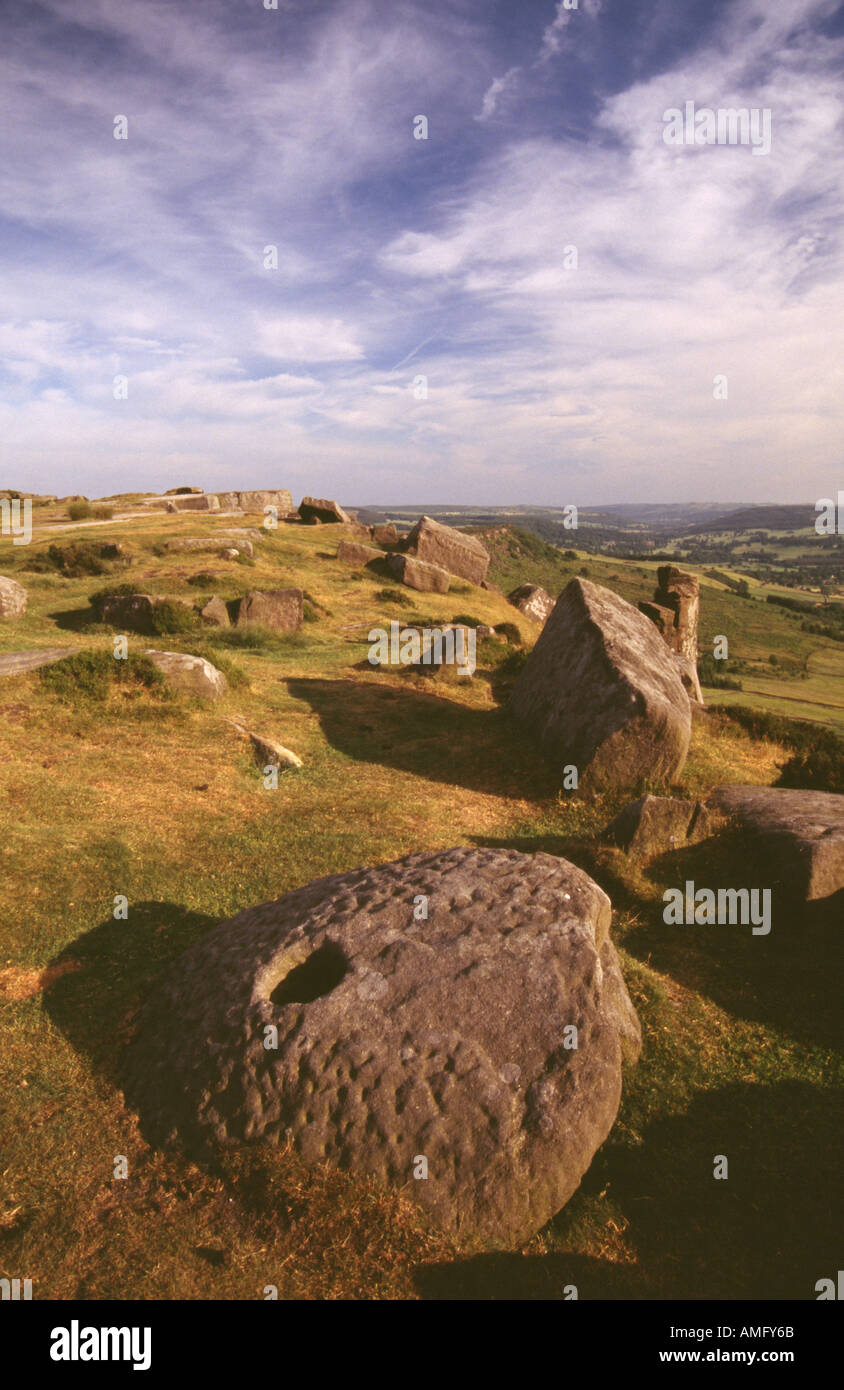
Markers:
{"x": 315, "y": 977}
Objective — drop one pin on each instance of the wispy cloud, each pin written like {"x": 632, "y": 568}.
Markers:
{"x": 293, "y": 129}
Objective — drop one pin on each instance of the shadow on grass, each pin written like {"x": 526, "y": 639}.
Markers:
{"x": 766, "y": 1231}
{"x": 789, "y": 978}
{"x": 117, "y": 962}
{"x": 430, "y": 735}
{"x": 75, "y": 620}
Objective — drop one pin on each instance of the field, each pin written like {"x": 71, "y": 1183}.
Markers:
{"x": 129, "y": 792}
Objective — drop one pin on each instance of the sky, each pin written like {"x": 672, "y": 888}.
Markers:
{"x": 543, "y": 302}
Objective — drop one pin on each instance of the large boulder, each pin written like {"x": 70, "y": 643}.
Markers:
{"x": 600, "y": 692}
{"x": 416, "y": 574}
{"x": 12, "y": 598}
{"x": 534, "y": 602}
{"x": 422, "y": 1010}
{"x": 279, "y": 609}
{"x": 191, "y": 674}
{"x": 452, "y": 550}
{"x": 256, "y": 500}
{"x": 323, "y": 510}
{"x": 793, "y": 839}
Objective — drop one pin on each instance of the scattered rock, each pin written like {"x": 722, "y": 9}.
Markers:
{"x": 12, "y": 598}
{"x": 356, "y": 555}
{"x": 270, "y": 753}
{"x": 794, "y": 839}
{"x": 452, "y": 550}
{"x": 216, "y": 612}
{"x": 279, "y": 609}
{"x": 430, "y": 579}
{"x": 192, "y": 674}
{"x": 385, "y": 534}
{"x": 323, "y": 510}
{"x": 600, "y": 692}
{"x": 397, "y": 1037}
{"x": 536, "y": 603}
{"x": 658, "y": 824}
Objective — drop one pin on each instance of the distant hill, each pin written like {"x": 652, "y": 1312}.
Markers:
{"x": 764, "y": 518}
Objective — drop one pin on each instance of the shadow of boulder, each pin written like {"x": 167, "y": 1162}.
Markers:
{"x": 766, "y": 1231}
{"x": 430, "y": 735}
{"x": 114, "y": 967}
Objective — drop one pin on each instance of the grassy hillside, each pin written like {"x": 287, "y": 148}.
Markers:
{"x": 122, "y": 790}
{"x": 805, "y": 680}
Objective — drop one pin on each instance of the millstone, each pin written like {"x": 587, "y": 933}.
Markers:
{"x": 421, "y": 1010}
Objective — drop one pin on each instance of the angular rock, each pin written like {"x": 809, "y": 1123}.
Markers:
{"x": 452, "y": 550}
{"x": 279, "y": 609}
{"x": 536, "y": 603}
{"x": 794, "y": 839}
{"x": 385, "y": 534}
{"x": 396, "y": 1037}
{"x": 268, "y": 753}
{"x": 675, "y": 609}
{"x": 429, "y": 579}
{"x": 356, "y": 555}
{"x": 600, "y": 691}
{"x": 216, "y": 612}
{"x": 204, "y": 502}
{"x": 192, "y": 674}
{"x": 658, "y": 824}
{"x": 12, "y": 598}
{"x": 323, "y": 510}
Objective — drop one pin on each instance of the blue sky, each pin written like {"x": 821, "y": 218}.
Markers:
{"x": 400, "y": 257}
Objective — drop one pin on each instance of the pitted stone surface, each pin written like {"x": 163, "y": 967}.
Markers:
{"x": 441, "y": 1037}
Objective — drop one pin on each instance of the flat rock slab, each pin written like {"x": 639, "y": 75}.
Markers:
{"x": 13, "y": 663}
{"x": 600, "y": 691}
{"x": 795, "y": 838}
{"x": 452, "y": 550}
{"x": 402, "y": 1036}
